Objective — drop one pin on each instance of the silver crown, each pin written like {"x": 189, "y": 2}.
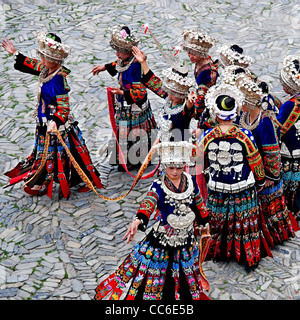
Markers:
{"x": 52, "y": 50}
{"x": 230, "y": 77}
{"x": 176, "y": 81}
{"x": 196, "y": 42}
{"x": 252, "y": 92}
{"x": 231, "y": 57}
{"x": 177, "y": 154}
{"x": 289, "y": 76}
{"x": 122, "y": 41}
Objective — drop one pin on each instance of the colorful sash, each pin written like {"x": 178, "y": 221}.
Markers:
{"x": 43, "y": 161}
{"x": 82, "y": 174}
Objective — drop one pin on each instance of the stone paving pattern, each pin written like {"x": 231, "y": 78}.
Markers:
{"x": 52, "y": 249}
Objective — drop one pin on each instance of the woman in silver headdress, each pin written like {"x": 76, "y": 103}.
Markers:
{"x": 43, "y": 166}
{"x": 197, "y": 44}
{"x": 235, "y": 171}
{"x": 166, "y": 264}
{"x": 177, "y": 111}
{"x": 289, "y": 120}
{"x": 277, "y": 221}
{"x": 133, "y": 118}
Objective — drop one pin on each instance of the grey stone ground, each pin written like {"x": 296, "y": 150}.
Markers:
{"x": 54, "y": 249}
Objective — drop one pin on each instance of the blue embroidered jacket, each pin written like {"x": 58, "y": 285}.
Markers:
{"x": 54, "y": 99}
{"x": 288, "y": 117}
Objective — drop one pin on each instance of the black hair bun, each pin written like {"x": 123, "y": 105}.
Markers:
{"x": 239, "y": 70}
{"x": 225, "y": 103}
{"x": 126, "y": 29}
{"x": 297, "y": 65}
{"x": 264, "y": 87}
{"x": 236, "y": 48}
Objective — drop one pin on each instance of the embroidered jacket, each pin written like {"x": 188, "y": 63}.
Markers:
{"x": 155, "y": 201}
{"x": 232, "y": 159}
{"x": 289, "y": 118}
{"x": 206, "y": 76}
{"x": 130, "y": 83}
{"x": 54, "y": 102}
{"x": 268, "y": 145}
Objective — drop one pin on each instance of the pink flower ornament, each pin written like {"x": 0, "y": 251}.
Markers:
{"x": 123, "y": 33}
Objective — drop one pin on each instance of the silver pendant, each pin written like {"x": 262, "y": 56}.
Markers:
{"x": 181, "y": 222}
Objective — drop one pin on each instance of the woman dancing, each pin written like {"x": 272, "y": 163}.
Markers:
{"x": 133, "y": 118}
{"x": 165, "y": 264}
{"x": 40, "y": 169}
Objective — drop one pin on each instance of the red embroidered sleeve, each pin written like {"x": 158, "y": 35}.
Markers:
{"x": 62, "y": 109}
{"x": 292, "y": 118}
{"x": 257, "y": 167}
{"x": 33, "y": 64}
{"x": 200, "y": 205}
{"x": 148, "y": 205}
{"x": 136, "y": 93}
{"x": 272, "y": 161}
{"x": 154, "y": 83}
{"x": 253, "y": 156}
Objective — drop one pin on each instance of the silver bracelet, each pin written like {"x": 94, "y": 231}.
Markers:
{"x": 15, "y": 54}
{"x": 136, "y": 218}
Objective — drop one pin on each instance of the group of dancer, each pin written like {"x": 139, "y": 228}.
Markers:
{"x": 242, "y": 195}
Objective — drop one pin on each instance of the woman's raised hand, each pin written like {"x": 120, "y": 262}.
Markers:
{"x": 8, "y": 46}
{"x": 139, "y": 55}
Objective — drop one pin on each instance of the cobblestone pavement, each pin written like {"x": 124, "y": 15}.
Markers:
{"x": 54, "y": 249}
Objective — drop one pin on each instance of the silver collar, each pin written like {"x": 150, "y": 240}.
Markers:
{"x": 182, "y": 195}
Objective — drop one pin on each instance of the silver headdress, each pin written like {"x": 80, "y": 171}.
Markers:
{"x": 232, "y": 57}
{"x": 176, "y": 83}
{"x": 252, "y": 92}
{"x": 122, "y": 40}
{"x": 290, "y": 76}
{"x": 52, "y": 50}
{"x": 176, "y": 154}
{"x": 197, "y": 43}
{"x": 230, "y": 76}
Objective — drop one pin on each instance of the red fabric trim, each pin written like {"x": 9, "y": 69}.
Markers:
{"x": 203, "y": 296}
{"x": 105, "y": 287}
{"x": 31, "y": 192}
{"x": 49, "y": 189}
{"x": 293, "y": 221}
{"x": 17, "y": 179}
{"x": 62, "y": 177}
{"x": 87, "y": 161}
{"x": 269, "y": 253}
{"x": 265, "y": 230}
